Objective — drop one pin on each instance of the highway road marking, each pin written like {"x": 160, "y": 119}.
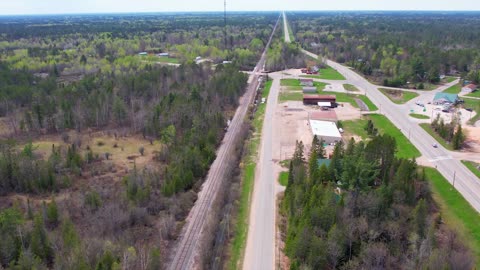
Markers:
{"x": 439, "y": 158}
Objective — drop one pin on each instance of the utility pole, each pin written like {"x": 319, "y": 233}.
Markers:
{"x": 225, "y": 23}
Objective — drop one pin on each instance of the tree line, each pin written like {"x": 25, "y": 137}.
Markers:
{"x": 367, "y": 209}
{"x": 395, "y": 49}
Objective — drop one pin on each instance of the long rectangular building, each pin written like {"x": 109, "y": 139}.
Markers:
{"x": 314, "y": 99}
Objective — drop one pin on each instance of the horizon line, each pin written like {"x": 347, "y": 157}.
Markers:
{"x": 221, "y": 11}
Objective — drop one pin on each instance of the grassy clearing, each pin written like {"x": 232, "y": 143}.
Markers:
{"x": 398, "y": 96}
{"x": 371, "y": 107}
{"x": 283, "y": 178}
{"x": 294, "y": 84}
{"x": 266, "y": 90}
{"x": 450, "y": 79}
{"x": 350, "y": 87}
{"x": 474, "y": 94}
{"x": 456, "y": 211}
{"x": 238, "y": 243}
{"x": 472, "y": 166}
{"x": 405, "y": 148}
{"x": 419, "y": 116}
{"x": 475, "y": 105}
{"x": 122, "y": 151}
{"x": 156, "y": 59}
{"x": 327, "y": 74}
{"x": 356, "y": 127}
{"x": 455, "y": 89}
{"x": 342, "y": 97}
{"x": 289, "y": 82}
{"x": 290, "y": 96}
{"x": 437, "y": 137}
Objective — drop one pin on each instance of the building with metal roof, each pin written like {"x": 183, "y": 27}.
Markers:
{"x": 325, "y": 130}
{"x": 443, "y": 98}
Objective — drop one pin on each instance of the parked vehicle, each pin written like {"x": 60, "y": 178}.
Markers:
{"x": 435, "y": 145}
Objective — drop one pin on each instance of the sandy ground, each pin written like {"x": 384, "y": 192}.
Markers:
{"x": 292, "y": 125}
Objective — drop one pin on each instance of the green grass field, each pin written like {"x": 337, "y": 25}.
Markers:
{"x": 371, "y": 107}
{"x": 326, "y": 74}
{"x": 356, "y": 127}
{"x": 405, "y": 148}
{"x": 440, "y": 140}
{"x": 475, "y": 105}
{"x": 156, "y": 59}
{"x": 474, "y": 94}
{"x": 472, "y": 166}
{"x": 398, "y": 96}
{"x": 456, "y": 211}
{"x": 289, "y": 82}
{"x": 283, "y": 178}
{"x": 453, "y": 89}
{"x": 350, "y": 87}
{"x": 290, "y": 96}
{"x": 450, "y": 79}
{"x": 238, "y": 243}
{"x": 419, "y": 116}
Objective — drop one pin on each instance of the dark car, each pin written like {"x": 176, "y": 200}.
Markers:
{"x": 469, "y": 109}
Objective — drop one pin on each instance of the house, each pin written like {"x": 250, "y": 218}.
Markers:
{"x": 330, "y": 116}
{"x": 469, "y": 88}
{"x": 309, "y": 90}
{"x": 445, "y": 98}
{"x": 314, "y": 99}
{"x": 143, "y": 53}
{"x": 164, "y": 54}
{"x": 326, "y": 131}
{"x": 306, "y": 82}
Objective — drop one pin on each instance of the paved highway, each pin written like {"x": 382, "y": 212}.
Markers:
{"x": 187, "y": 251}
{"x": 285, "y": 26}
{"x": 453, "y": 170}
{"x": 260, "y": 249}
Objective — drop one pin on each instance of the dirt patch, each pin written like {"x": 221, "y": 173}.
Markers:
{"x": 123, "y": 152}
{"x": 293, "y": 125}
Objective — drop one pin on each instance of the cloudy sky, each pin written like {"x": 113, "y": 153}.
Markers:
{"x": 8, "y": 7}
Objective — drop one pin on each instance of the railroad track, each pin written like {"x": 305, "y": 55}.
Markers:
{"x": 188, "y": 246}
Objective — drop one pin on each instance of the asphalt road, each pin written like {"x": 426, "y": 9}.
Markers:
{"x": 189, "y": 245}
{"x": 285, "y": 26}
{"x": 260, "y": 249}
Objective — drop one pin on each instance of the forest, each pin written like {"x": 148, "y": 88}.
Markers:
{"x": 365, "y": 210}
{"x": 395, "y": 48}
{"x": 75, "y": 96}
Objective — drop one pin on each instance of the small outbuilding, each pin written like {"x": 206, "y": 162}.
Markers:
{"x": 326, "y": 131}
{"x": 309, "y": 90}
{"x": 445, "y": 98}
{"x": 306, "y": 82}
{"x": 469, "y": 88}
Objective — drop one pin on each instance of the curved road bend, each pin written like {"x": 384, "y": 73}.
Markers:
{"x": 452, "y": 169}
{"x": 187, "y": 250}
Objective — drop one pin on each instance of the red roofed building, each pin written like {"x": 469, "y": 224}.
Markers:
{"x": 469, "y": 88}
{"x": 314, "y": 99}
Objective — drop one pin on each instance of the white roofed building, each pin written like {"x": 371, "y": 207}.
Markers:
{"x": 325, "y": 130}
